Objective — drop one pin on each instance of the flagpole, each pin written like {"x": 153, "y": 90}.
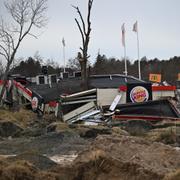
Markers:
{"x": 135, "y": 29}
{"x": 64, "y": 59}
{"x": 124, "y": 45}
{"x": 139, "y": 63}
{"x": 125, "y": 61}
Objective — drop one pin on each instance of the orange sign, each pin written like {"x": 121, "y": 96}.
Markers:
{"x": 178, "y": 76}
{"x": 155, "y": 77}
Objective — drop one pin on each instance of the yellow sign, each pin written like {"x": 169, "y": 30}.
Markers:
{"x": 155, "y": 77}
{"x": 178, "y": 76}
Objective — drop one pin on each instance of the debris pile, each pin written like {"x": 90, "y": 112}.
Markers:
{"x": 95, "y": 136}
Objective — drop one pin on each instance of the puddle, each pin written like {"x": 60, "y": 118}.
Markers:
{"x": 63, "y": 159}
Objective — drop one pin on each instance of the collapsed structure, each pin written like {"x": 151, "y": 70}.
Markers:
{"x": 134, "y": 98}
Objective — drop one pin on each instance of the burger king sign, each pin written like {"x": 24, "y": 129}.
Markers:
{"x": 139, "y": 92}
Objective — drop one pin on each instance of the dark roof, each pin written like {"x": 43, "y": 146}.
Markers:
{"x": 112, "y": 80}
{"x": 46, "y": 92}
{"x": 72, "y": 85}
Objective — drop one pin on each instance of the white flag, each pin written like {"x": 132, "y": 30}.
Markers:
{"x": 135, "y": 27}
{"x": 63, "y": 42}
{"x": 123, "y": 35}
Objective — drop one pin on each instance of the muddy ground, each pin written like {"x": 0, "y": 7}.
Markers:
{"x": 33, "y": 148}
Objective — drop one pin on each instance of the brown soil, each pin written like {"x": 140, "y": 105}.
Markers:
{"x": 22, "y": 118}
{"x": 108, "y": 157}
{"x": 104, "y": 153}
{"x": 126, "y": 157}
{"x": 173, "y": 175}
{"x": 167, "y": 135}
{"x": 39, "y": 161}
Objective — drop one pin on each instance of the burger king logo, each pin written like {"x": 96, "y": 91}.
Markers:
{"x": 139, "y": 94}
{"x": 34, "y": 103}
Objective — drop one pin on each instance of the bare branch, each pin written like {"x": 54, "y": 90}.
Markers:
{"x": 38, "y": 9}
{"x": 25, "y": 15}
{"x": 11, "y": 40}
{"x": 81, "y": 49}
{"x": 5, "y": 54}
{"x": 82, "y": 35}
{"x": 19, "y": 10}
{"x": 85, "y": 30}
{"x": 26, "y": 12}
{"x": 5, "y": 36}
{"x": 2, "y": 54}
{"x": 82, "y": 20}
{"x": 88, "y": 17}
{"x": 33, "y": 35}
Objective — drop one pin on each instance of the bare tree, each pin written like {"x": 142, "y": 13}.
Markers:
{"x": 73, "y": 64}
{"x": 1, "y": 69}
{"x": 25, "y": 14}
{"x": 85, "y": 30}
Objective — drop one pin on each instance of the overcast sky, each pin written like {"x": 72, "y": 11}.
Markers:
{"x": 158, "y": 26}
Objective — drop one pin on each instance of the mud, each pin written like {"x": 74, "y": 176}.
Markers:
{"x": 128, "y": 158}
{"x": 45, "y": 149}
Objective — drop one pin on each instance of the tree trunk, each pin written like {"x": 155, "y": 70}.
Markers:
{"x": 84, "y": 75}
{"x": 85, "y": 34}
{"x": 4, "y": 83}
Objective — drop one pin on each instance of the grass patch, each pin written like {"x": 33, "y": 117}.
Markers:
{"x": 119, "y": 131}
{"x": 168, "y": 137}
{"x": 165, "y": 135}
{"x": 173, "y": 176}
{"x": 22, "y": 117}
{"x": 18, "y": 170}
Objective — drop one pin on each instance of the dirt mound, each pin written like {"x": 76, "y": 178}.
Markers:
{"x": 17, "y": 170}
{"x": 108, "y": 157}
{"x": 168, "y": 135}
{"x": 103, "y": 167}
{"x": 38, "y": 160}
{"x": 8, "y": 128}
{"x": 22, "y": 118}
{"x": 173, "y": 176}
{"x": 93, "y": 132}
{"x": 23, "y": 170}
{"x": 82, "y": 130}
{"x": 125, "y": 157}
{"x": 137, "y": 127}
{"x": 119, "y": 131}
{"x": 133, "y": 127}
